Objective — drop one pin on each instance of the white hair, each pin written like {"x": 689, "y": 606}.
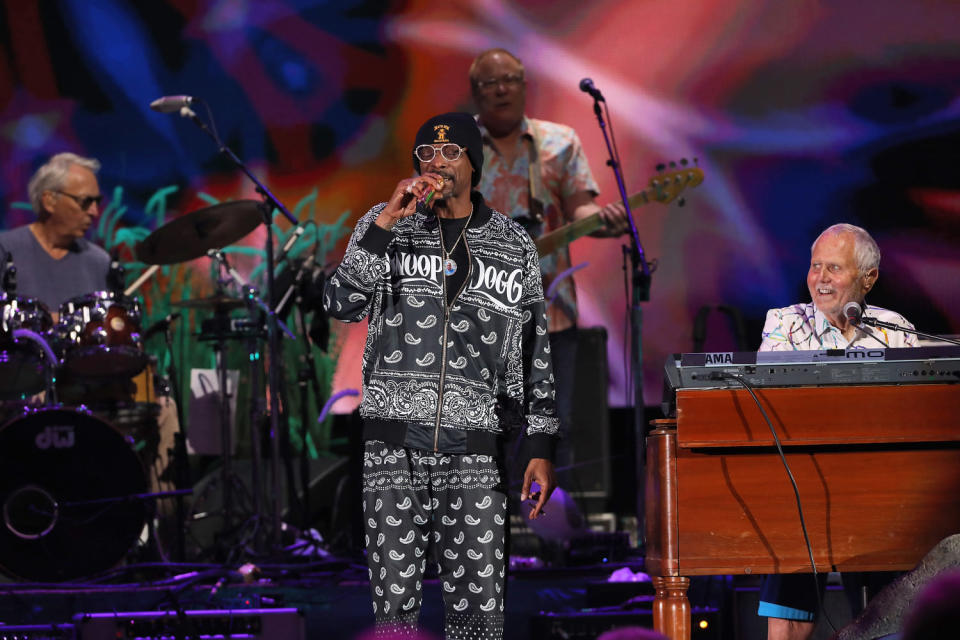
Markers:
{"x": 865, "y": 249}
{"x": 52, "y": 176}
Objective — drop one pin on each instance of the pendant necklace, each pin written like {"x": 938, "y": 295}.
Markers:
{"x": 449, "y": 264}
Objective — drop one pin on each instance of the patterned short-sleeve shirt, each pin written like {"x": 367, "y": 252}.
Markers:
{"x": 550, "y": 166}
{"x": 803, "y": 326}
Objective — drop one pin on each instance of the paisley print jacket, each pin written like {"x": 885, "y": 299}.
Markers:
{"x": 451, "y": 378}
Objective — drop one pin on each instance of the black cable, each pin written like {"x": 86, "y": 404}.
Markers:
{"x": 213, "y": 123}
{"x": 793, "y": 483}
{"x": 613, "y": 137}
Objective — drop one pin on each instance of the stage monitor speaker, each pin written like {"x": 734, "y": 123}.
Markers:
{"x": 255, "y": 624}
{"x": 590, "y": 434}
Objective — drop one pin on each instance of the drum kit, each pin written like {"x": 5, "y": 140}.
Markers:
{"x": 79, "y": 410}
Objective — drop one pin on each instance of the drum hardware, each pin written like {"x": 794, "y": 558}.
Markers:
{"x": 180, "y": 467}
{"x": 218, "y": 330}
{"x": 244, "y": 217}
{"x": 251, "y": 295}
{"x": 306, "y": 288}
{"x": 211, "y": 303}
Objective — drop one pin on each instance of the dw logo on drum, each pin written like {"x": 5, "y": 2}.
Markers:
{"x": 58, "y": 437}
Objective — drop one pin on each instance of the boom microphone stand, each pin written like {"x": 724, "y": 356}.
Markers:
{"x": 640, "y": 276}
{"x": 270, "y": 203}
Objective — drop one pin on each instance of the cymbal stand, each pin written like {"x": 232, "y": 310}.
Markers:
{"x": 255, "y": 304}
{"x": 270, "y": 204}
{"x": 257, "y": 406}
{"x": 226, "y": 437}
{"x": 308, "y": 373}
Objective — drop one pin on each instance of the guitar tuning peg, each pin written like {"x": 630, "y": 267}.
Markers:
{"x": 683, "y": 162}
{"x": 696, "y": 161}
{"x": 681, "y": 202}
{"x": 673, "y": 165}
{"x": 661, "y": 166}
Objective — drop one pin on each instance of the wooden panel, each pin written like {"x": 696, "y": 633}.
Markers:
{"x": 864, "y": 510}
{"x": 819, "y": 415}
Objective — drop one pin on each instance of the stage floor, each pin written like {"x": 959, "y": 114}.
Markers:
{"x": 333, "y": 597}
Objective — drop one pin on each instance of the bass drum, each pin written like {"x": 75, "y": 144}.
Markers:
{"x": 67, "y": 493}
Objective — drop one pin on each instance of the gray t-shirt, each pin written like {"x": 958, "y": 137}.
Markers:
{"x": 83, "y": 270}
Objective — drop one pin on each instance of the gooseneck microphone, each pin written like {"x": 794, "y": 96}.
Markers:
{"x": 854, "y": 312}
{"x": 586, "y": 85}
{"x": 172, "y": 104}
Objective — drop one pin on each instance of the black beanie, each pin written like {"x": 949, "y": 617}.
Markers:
{"x": 459, "y": 128}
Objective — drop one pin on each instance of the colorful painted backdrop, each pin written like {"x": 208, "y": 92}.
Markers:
{"x": 800, "y": 113}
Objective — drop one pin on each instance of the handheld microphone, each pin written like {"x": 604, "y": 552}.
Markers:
{"x": 160, "y": 325}
{"x": 172, "y": 104}
{"x": 427, "y": 197}
{"x": 854, "y": 312}
{"x": 586, "y": 85}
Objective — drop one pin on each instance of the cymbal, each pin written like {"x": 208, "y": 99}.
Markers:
{"x": 192, "y": 235}
{"x": 212, "y": 302}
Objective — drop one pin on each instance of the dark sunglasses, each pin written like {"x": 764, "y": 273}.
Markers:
{"x": 83, "y": 202}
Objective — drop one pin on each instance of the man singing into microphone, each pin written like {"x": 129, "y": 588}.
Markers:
{"x": 456, "y": 355}
{"x": 844, "y": 266}
{"x": 537, "y": 173}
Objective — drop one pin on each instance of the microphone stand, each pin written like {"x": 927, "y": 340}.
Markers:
{"x": 181, "y": 466}
{"x": 873, "y": 322}
{"x": 308, "y": 373}
{"x": 270, "y": 202}
{"x": 640, "y": 275}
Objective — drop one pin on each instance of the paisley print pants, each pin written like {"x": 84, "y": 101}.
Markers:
{"x": 414, "y": 499}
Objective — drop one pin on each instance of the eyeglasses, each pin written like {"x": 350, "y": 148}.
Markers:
{"x": 449, "y": 151}
{"x": 510, "y": 81}
{"x": 83, "y": 202}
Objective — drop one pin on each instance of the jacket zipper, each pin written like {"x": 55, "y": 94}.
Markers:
{"x": 443, "y": 348}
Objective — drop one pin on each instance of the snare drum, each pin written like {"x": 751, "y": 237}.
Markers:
{"x": 99, "y": 334}
{"x": 21, "y": 365}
